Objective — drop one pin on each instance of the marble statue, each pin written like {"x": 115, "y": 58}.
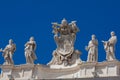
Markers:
{"x": 30, "y": 48}
{"x": 92, "y": 49}
{"x": 66, "y": 63}
{"x": 64, "y": 35}
{"x": 8, "y": 53}
{"x": 109, "y": 47}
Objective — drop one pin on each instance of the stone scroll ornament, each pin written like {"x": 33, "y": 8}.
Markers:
{"x": 65, "y": 36}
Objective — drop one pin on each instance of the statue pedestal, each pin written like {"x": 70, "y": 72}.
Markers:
{"x": 85, "y": 70}
{"x": 17, "y": 72}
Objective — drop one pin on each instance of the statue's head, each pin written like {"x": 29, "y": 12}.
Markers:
{"x": 93, "y": 37}
{"x": 31, "y": 38}
{"x": 112, "y": 33}
{"x": 64, "y": 22}
{"x": 10, "y": 41}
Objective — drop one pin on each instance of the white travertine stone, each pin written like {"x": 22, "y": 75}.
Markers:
{"x": 109, "y": 47}
{"x": 92, "y": 49}
{"x": 30, "y": 48}
{"x": 8, "y": 53}
{"x": 83, "y": 70}
{"x": 66, "y": 62}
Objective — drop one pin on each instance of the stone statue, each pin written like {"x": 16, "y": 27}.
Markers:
{"x": 8, "y": 52}
{"x": 92, "y": 49}
{"x": 65, "y": 35}
{"x": 30, "y": 48}
{"x": 109, "y": 47}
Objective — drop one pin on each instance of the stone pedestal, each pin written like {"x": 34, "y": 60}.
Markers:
{"x": 82, "y": 71}
{"x": 17, "y": 72}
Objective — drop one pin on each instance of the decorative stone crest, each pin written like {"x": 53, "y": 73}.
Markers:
{"x": 65, "y": 35}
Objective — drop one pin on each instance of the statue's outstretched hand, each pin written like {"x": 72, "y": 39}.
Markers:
{"x": 102, "y": 41}
{"x": 1, "y": 50}
{"x": 86, "y": 48}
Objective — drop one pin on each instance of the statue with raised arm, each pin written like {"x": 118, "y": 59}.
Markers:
{"x": 64, "y": 35}
{"x": 30, "y": 48}
{"x": 92, "y": 49}
{"x": 109, "y": 47}
{"x": 8, "y": 52}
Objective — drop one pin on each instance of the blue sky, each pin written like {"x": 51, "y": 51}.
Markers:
{"x": 20, "y": 19}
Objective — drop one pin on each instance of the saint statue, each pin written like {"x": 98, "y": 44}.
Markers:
{"x": 109, "y": 47}
{"x": 92, "y": 49}
{"x": 8, "y": 52}
{"x": 30, "y": 48}
{"x": 64, "y": 35}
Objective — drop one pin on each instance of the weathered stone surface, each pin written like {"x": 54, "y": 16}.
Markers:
{"x": 84, "y": 71}
{"x": 66, "y": 63}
